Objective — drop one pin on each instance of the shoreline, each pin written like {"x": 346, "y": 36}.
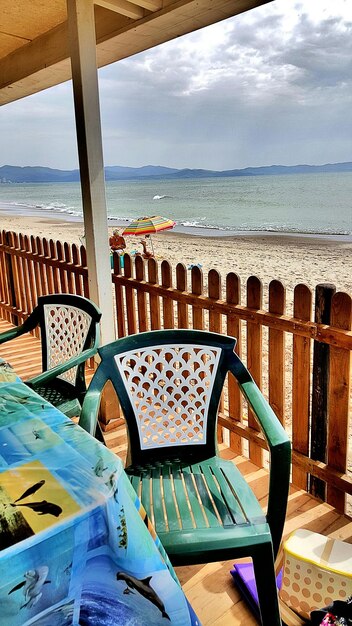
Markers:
{"x": 45, "y": 216}
{"x": 290, "y": 259}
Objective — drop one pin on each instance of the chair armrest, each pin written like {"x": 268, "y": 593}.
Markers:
{"x": 12, "y": 333}
{"x": 49, "y": 375}
{"x": 280, "y": 459}
{"x": 89, "y": 415}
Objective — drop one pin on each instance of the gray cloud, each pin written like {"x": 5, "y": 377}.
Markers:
{"x": 270, "y": 86}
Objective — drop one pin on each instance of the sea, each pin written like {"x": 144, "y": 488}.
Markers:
{"x": 298, "y": 204}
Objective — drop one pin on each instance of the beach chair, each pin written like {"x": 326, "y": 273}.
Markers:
{"x": 169, "y": 384}
{"x": 69, "y": 326}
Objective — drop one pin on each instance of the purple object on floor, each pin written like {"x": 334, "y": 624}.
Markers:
{"x": 243, "y": 575}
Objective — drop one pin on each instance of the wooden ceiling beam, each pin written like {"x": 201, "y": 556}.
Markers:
{"x": 123, "y": 7}
{"x": 151, "y": 5}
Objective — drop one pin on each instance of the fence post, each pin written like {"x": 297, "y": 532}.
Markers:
{"x": 255, "y": 356}
{"x": 321, "y": 371}
{"x": 301, "y": 384}
{"x": 339, "y": 396}
{"x": 11, "y": 280}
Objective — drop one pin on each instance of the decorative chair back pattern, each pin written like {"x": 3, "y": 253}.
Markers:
{"x": 169, "y": 388}
{"x": 66, "y": 329}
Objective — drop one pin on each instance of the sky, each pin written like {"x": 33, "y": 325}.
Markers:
{"x": 270, "y": 86}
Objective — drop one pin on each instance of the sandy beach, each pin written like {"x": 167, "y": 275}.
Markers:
{"x": 290, "y": 259}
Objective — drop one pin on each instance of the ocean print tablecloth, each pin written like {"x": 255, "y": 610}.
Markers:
{"x": 74, "y": 541}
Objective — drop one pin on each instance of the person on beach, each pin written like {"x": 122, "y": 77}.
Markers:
{"x": 116, "y": 241}
{"x": 146, "y": 254}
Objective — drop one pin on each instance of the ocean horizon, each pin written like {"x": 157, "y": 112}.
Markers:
{"x": 316, "y": 204}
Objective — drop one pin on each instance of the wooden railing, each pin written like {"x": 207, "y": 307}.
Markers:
{"x": 300, "y": 358}
{"x": 32, "y": 266}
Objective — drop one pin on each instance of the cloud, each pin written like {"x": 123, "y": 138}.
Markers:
{"x": 270, "y": 85}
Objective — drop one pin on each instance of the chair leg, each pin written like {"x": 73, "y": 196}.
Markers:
{"x": 264, "y": 571}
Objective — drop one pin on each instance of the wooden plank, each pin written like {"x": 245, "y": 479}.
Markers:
{"x": 68, "y": 259}
{"x": 119, "y": 302}
{"x": 18, "y": 278}
{"x": 277, "y": 304}
{"x": 254, "y": 356}
{"x": 197, "y": 290}
{"x": 214, "y": 293}
{"x": 32, "y": 281}
{"x": 130, "y": 298}
{"x": 41, "y": 267}
{"x": 25, "y": 277}
{"x": 141, "y": 297}
{"x": 117, "y": 262}
{"x": 3, "y": 277}
{"x": 85, "y": 275}
{"x": 151, "y": 5}
{"x": 62, "y": 273}
{"x": 234, "y": 329}
{"x": 56, "y": 277}
{"x": 335, "y": 479}
{"x": 181, "y": 286}
{"x": 154, "y": 300}
{"x": 168, "y": 305}
{"x": 49, "y": 269}
{"x": 321, "y": 367}
{"x": 11, "y": 277}
{"x": 301, "y": 367}
{"x": 339, "y": 395}
{"x": 123, "y": 7}
{"x": 78, "y": 288}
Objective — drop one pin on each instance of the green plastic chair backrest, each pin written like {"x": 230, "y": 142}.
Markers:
{"x": 169, "y": 385}
{"x": 69, "y": 324}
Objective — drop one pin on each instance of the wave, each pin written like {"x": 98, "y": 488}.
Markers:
{"x": 199, "y": 224}
{"x": 56, "y": 207}
{"x": 245, "y": 228}
{"x": 161, "y": 197}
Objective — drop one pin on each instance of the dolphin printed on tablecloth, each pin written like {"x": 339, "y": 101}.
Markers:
{"x": 32, "y": 585}
{"x": 143, "y": 587}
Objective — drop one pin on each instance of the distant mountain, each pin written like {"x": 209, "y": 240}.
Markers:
{"x": 117, "y": 172}
{"x": 14, "y": 174}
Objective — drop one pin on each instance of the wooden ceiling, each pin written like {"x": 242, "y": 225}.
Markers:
{"x": 34, "y": 49}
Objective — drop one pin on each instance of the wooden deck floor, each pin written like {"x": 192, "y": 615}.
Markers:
{"x": 209, "y": 588}
{"x": 24, "y": 354}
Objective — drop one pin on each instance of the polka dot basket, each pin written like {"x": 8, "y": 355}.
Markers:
{"x": 317, "y": 570}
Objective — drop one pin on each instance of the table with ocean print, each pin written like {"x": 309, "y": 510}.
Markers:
{"x": 75, "y": 544}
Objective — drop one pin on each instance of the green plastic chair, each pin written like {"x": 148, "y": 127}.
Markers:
{"x": 169, "y": 385}
{"x": 70, "y": 334}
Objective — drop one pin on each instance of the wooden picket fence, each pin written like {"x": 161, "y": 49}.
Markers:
{"x": 301, "y": 361}
{"x": 31, "y": 267}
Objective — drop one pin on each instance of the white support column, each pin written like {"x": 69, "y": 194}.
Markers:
{"x": 82, "y": 44}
